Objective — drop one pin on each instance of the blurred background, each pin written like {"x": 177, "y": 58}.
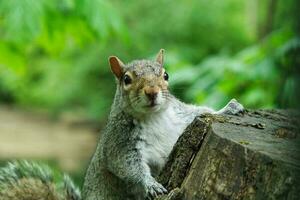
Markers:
{"x": 56, "y": 87}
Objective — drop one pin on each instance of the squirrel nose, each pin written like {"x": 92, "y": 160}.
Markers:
{"x": 151, "y": 93}
{"x": 151, "y": 96}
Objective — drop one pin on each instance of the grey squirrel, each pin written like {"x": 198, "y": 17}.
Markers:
{"x": 144, "y": 124}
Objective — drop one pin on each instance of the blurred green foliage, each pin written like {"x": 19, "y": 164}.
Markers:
{"x": 53, "y": 54}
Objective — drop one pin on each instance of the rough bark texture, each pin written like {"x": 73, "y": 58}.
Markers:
{"x": 254, "y": 156}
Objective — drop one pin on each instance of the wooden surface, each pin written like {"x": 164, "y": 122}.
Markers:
{"x": 254, "y": 156}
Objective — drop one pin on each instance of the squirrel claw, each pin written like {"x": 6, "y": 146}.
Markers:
{"x": 155, "y": 189}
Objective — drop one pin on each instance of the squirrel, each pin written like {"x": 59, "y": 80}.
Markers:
{"x": 143, "y": 126}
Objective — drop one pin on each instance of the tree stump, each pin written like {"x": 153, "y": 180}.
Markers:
{"x": 254, "y": 156}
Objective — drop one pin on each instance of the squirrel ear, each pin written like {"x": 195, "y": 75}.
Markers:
{"x": 116, "y": 66}
{"x": 160, "y": 57}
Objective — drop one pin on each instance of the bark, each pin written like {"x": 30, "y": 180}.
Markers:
{"x": 254, "y": 156}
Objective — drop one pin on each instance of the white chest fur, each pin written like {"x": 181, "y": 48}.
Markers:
{"x": 158, "y": 135}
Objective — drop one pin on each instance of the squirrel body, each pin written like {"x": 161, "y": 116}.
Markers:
{"x": 160, "y": 131}
{"x": 144, "y": 124}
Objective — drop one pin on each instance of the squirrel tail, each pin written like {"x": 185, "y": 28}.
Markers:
{"x": 22, "y": 180}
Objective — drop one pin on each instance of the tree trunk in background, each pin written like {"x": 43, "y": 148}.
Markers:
{"x": 255, "y": 156}
{"x": 267, "y": 25}
{"x": 252, "y": 17}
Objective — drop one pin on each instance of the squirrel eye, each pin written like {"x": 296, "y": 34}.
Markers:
{"x": 127, "y": 79}
{"x": 166, "y": 76}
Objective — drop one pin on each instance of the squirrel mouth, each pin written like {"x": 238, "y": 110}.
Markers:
{"x": 152, "y": 104}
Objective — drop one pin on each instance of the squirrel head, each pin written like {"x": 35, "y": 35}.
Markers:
{"x": 142, "y": 84}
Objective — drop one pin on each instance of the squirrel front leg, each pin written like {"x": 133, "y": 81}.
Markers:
{"x": 129, "y": 166}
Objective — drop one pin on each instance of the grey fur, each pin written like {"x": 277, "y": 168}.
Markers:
{"x": 13, "y": 172}
{"x": 118, "y": 170}
{"x": 142, "y": 67}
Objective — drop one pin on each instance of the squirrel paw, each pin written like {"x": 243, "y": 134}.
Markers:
{"x": 154, "y": 189}
{"x": 233, "y": 108}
